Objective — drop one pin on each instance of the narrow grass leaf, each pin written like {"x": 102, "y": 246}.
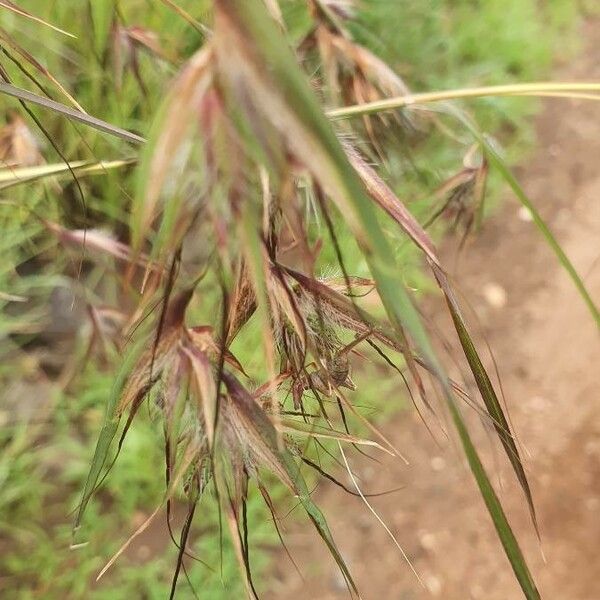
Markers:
{"x": 386, "y": 198}
{"x": 383, "y": 195}
{"x": 15, "y": 176}
{"x": 561, "y": 89}
{"x": 23, "y": 13}
{"x": 38, "y": 66}
{"x": 505, "y": 533}
{"x": 486, "y": 389}
{"x": 108, "y": 431}
{"x": 70, "y": 113}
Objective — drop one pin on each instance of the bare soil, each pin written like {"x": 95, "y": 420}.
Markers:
{"x": 548, "y": 352}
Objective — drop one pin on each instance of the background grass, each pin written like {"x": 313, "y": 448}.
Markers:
{"x": 47, "y": 435}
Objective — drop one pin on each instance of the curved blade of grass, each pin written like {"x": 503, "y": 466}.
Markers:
{"x": 70, "y": 113}
{"x": 561, "y": 89}
{"x": 385, "y": 197}
{"x": 17, "y": 176}
{"x": 23, "y": 13}
{"x": 108, "y": 431}
{"x": 486, "y": 389}
{"x": 507, "y": 537}
{"x": 38, "y": 66}
{"x": 338, "y": 113}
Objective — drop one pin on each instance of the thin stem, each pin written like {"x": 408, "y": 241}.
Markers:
{"x": 517, "y": 89}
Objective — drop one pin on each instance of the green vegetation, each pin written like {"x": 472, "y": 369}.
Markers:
{"x": 118, "y": 67}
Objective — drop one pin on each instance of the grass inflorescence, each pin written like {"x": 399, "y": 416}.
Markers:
{"x": 193, "y": 323}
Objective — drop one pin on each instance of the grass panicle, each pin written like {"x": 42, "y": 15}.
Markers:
{"x": 249, "y": 179}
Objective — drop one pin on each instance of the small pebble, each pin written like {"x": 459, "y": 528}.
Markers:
{"x": 365, "y": 521}
{"x": 427, "y": 540}
{"x": 337, "y": 582}
{"x": 494, "y": 294}
{"x": 524, "y": 215}
{"x": 538, "y": 404}
{"x": 592, "y": 447}
{"x": 433, "y": 584}
{"x": 437, "y": 463}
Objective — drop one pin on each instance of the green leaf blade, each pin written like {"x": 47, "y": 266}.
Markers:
{"x": 505, "y": 533}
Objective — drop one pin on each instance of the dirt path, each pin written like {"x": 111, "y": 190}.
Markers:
{"x": 548, "y": 352}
